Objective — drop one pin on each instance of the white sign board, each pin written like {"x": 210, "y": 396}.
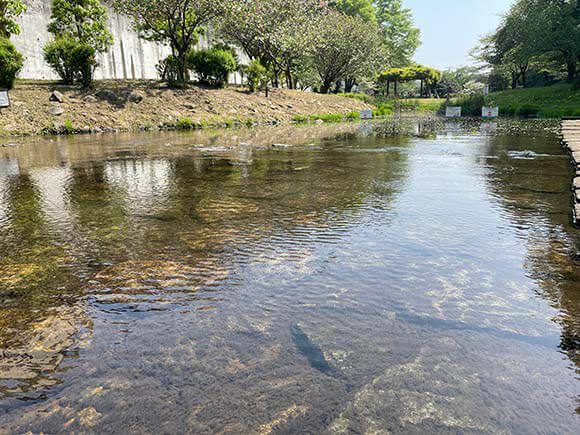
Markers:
{"x": 489, "y": 112}
{"x": 366, "y": 114}
{"x": 453, "y": 112}
{"x": 4, "y": 99}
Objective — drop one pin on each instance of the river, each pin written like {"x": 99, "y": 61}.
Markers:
{"x": 316, "y": 279}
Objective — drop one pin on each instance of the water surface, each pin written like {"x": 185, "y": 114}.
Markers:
{"x": 337, "y": 282}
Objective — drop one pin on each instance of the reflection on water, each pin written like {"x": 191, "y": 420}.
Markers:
{"x": 213, "y": 282}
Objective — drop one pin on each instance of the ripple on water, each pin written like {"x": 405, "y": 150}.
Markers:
{"x": 146, "y": 286}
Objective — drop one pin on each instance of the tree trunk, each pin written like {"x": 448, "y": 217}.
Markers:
{"x": 421, "y": 94}
{"x": 514, "y": 80}
{"x": 325, "y": 87}
{"x": 396, "y": 91}
{"x": 349, "y": 84}
{"x": 571, "y": 70}
{"x": 388, "y": 88}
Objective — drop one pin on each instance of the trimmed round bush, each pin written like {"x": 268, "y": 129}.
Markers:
{"x": 71, "y": 60}
{"x": 212, "y": 65}
{"x": 11, "y": 62}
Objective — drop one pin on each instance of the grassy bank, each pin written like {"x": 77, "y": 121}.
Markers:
{"x": 548, "y": 102}
{"x": 147, "y": 105}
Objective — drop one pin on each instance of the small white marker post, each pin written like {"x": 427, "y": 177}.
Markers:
{"x": 366, "y": 114}
{"x": 489, "y": 112}
{"x": 4, "y": 99}
{"x": 453, "y": 112}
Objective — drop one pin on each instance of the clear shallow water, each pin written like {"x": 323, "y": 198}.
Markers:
{"x": 210, "y": 282}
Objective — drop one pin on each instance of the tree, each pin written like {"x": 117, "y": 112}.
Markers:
{"x": 355, "y": 8}
{"x": 213, "y": 65}
{"x": 275, "y": 32}
{"x": 342, "y": 47}
{"x": 85, "y": 21}
{"x": 400, "y": 36}
{"x": 71, "y": 60}
{"x": 10, "y": 10}
{"x": 177, "y": 23}
{"x": 10, "y": 63}
{"x": 429, "y": 78}
{"x": 541, "y": 36}
{"x": 80, "y": 31}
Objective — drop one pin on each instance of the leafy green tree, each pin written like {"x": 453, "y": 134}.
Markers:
{"x": 10, "y": 63}
{"x": 356, "y": 8}
{"x": 82, "y": 20}
{"x": 342, "y": 47}
{"x": 10, "y": 10}
{"x": 400, "y": 36}
{"x": 177, "y": 23}
{"x": 80, "y": 31}
{"x": 276, "y": 32}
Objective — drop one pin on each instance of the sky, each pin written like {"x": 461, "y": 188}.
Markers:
{"x": 451, "y": 28}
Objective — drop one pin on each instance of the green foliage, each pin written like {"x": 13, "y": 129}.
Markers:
{"x": 82, "y": 20}
{"x": 400, "y": 36}
{"x": 357, "y": 96}
{"x": 356, "y": 8}
{"x": 177, "y": 23}
{"x": 10, "y": 10}
{"x": 68, "y": 127}
{"x": 551, "y": 101}
{"x": 257, "y": 76}
{"x": 344, "y": 47}
{"x": 527, "y": 111}
{"x": 169, "y": 70}
{"x": 80, "y": 31}
{"x": 71, "y": 60}
{"x": 10, "y": 63}
{"x": 212, "y": 65}
{"x": 429, "y": 77}
{"x": 535, "y": 38}
{"x": 470, "y": 105}
{"x": 275, "y": 32}
{"x": 184, "y": 123}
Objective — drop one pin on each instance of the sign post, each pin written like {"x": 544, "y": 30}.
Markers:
{"x": 489, "y": 112}
{"x": 4, "y": 99}
{"x": 366, "y": 114}
{"x": 453, "y": 112}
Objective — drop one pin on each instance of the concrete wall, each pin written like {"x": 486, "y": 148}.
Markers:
{"x": 129, "y": 58}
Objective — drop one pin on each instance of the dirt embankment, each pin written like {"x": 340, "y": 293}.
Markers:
{"x": 143, "y": 105}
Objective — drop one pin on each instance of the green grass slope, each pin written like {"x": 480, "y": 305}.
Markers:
{"x": 548, "y": 102}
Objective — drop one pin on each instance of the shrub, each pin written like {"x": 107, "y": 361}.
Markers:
{"x": 471, "y": 106}
{"x": 184, "y": 123}
{"x": 527, "y": 111}
{"x": 169, "y": 70}
{"x": 257, "y": 76}
{"x": 68, "y": 127}
{"x": 576, "y": 84}
{"x": 10, "y": 63}
{"x": 212, "y": 65}
{"x": 71, "y": 60}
